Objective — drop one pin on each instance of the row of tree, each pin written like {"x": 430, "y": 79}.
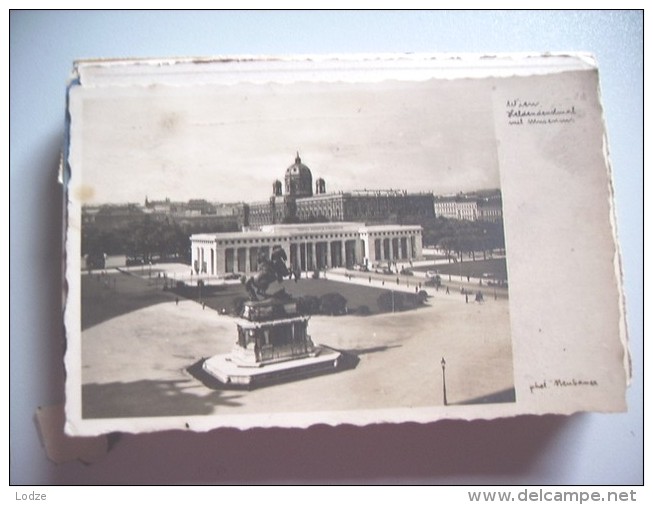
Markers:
{"x": 145, "y": 238}
{"x": 458, "y": 237}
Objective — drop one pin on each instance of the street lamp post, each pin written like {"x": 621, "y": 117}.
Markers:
{"x": 443, "y": 363}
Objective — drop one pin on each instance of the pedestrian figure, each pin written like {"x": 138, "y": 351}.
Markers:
{"x": 416, "y": 290}
{"x": 369, "y": 279}
{"x": 176, "y": 300}
{"x": 397, "y": 281}
{"x": 447, "y": 289}
{"x": 466, "y": 298}
{"x": 479, "y": 297}
{"x": 468, "y": 278}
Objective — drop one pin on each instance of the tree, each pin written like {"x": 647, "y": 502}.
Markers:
{"x": 308, "y": 304}
{"x": 391, "y": 301}
{"x": 333, "y": 304}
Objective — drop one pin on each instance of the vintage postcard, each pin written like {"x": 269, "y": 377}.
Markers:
{"x": 260, "y": 242}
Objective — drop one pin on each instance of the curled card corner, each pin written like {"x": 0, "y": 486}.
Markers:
{"x": 62, "y": 448}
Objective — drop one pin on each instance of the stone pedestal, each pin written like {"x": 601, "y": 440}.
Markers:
{"x": 273, "y": 345}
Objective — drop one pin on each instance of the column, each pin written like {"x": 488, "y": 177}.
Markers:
{"x": 194, "y": 260}
{"x": 293, "y": 257}
{"x": 241, "y": 259}
{"x": 219, "y": 260}
{"x": 303, "y": 263}
{"x": 252, "y": 264}
{"x": 310, "y": 256}
{"x": 363, "y": 250}
{"x": 285, "y": 245}
{"x": 229, "y": 259}
{"x": 418, "y": 245}
{"x": 378, "y": 250}
{"x": 385, "y": 250}
{"x": 343, "y": 253}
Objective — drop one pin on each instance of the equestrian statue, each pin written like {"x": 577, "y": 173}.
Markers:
{"x": 269, "y": 270}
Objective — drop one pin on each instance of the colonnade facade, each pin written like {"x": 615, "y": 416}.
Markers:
{"x": 307, "y": 246}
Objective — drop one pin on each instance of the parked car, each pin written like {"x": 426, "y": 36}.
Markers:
{"x": 405, "y": 271}
{"x": 431, "y": 274}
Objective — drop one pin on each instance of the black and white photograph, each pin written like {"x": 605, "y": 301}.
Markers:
{"x": 281, "y": 248}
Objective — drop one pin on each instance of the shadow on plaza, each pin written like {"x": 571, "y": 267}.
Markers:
{"x": 150, "y": 398}
{"x": 105, "y": 296}
{"x": 371, "y": 350}
{"x": 505, "y": 396}
{"x": 348, "y": 360}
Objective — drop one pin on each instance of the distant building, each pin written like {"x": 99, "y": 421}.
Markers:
{"x": 197, "y": 213}
{"x": 195, "y": 207}
{"x": 478, "y": 206}
{"x": 110, "y": 216}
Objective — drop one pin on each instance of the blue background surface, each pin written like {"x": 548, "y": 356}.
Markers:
{"x": 580, "y": 449}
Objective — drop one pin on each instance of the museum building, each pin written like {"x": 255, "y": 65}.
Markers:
{"x": 295, "y": 202}
{"x": 308, "y": 246}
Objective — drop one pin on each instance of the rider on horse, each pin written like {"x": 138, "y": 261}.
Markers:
{"x": 269, "y": 270}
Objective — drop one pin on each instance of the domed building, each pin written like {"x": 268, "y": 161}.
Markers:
{"x": 299, "y": 204}
{"x": 299, "y": 180}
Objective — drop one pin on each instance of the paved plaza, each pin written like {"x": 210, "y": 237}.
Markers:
{"x": 135, "y": 359}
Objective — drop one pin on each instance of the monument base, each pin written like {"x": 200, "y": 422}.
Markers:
{"x": 223, "y": 368}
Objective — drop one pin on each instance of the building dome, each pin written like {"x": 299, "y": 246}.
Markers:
{"x": 299, "y": 180}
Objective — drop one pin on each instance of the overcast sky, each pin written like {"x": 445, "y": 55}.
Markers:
{"x": 229, "y": 143}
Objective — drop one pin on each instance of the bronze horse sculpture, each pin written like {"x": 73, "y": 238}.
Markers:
{"x": 269, "y": 270}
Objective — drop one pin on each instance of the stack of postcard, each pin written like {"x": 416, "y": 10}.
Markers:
{"x": 287, "y": 241}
